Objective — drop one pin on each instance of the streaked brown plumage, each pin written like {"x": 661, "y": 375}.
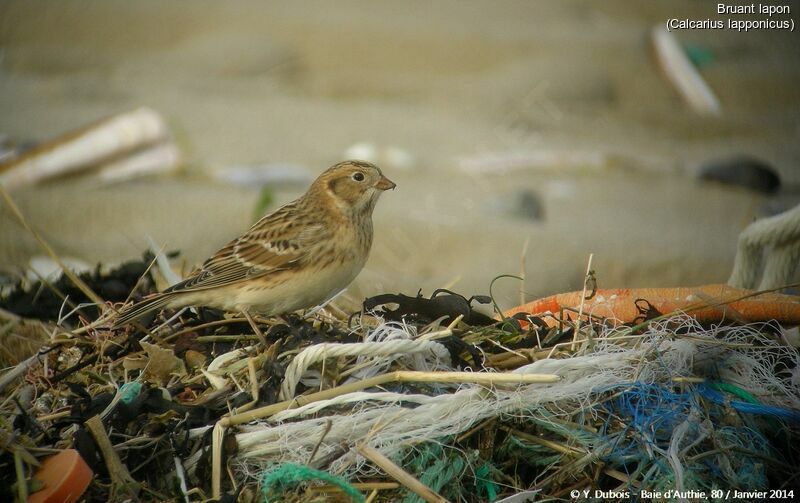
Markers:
{"x": 296, "y": 257}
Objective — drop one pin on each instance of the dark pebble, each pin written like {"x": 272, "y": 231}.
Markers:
{"x": 742, "y": 171}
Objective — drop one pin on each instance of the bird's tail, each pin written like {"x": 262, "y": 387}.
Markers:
{"x": 141, "y": 308}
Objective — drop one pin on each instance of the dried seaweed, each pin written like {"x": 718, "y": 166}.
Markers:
{"x": 44, "y": 300}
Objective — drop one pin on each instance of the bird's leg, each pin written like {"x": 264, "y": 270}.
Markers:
{"x": 254, "y": 327}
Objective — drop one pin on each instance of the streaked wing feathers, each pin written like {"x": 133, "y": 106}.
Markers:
{"x": 275, "y": 243}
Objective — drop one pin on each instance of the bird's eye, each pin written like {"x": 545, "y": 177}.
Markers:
{"x": 358, "y": 176}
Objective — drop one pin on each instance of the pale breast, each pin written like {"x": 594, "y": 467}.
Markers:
{"x": 295, "y": 290}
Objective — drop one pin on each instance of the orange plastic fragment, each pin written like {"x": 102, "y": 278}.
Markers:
{"x": 65, "y": 476}
{"x": 715, "y": 303}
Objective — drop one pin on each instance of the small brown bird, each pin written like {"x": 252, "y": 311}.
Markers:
{"x": 296, "y": 257}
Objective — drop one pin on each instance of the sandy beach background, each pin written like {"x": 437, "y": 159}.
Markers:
{"x": 455, "y": 87}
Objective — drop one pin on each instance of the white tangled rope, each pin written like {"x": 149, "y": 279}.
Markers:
{"x": 319, "y": 352}
{"x": 775, "y": 241}
{"x": 394, "y": 421}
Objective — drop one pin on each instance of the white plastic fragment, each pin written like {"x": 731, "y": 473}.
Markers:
{"x": 163, "y": 263}
{"x": 523, "y": 497}
{"x": 682, "y": 74}
{"x": 87, "y": 147}
{"x": 41, "y": 267}
{"x": 159, "y": 159}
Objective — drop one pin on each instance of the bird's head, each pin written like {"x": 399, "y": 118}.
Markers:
{"x": 353, "y": 187}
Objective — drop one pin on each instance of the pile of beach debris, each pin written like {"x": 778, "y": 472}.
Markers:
{"x": 412, "y": 398}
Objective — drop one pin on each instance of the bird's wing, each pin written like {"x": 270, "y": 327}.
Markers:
{"x": 278, "y": 242}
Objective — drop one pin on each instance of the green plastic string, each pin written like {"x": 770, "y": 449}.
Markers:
{"x": 431, "y": 466}
{"x": 745, "y": 395}
{"x": 485, "y": 483}
{"x": 734, "y": 390}
{"x": 444, "y": 470}
{"x": 442, "y": 473}
{"x": 290, "y": 475}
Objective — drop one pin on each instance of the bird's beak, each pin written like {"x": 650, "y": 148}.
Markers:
{"x": 385, "y": 184}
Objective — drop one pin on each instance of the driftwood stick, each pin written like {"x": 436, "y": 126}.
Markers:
{"x": 120, "y": 476}
{"x": 400, "y": 475}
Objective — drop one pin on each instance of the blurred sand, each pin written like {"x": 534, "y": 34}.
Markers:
{"x": 298, "y": 83}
